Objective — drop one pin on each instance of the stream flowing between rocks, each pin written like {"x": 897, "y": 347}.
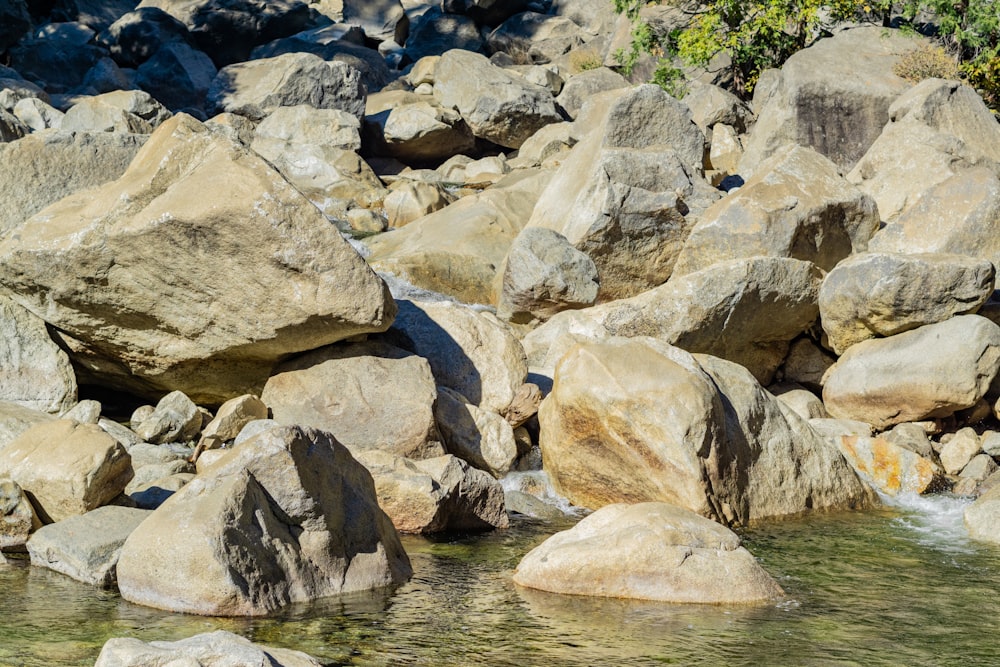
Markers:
{"x": 901, "y": 585}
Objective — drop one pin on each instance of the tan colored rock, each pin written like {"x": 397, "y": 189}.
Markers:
{"x": 232, "y": 416}
{"x": 470, "y": 351}
{"x": 800, "y": 400}
{"x": 15, "y": 419}
{"x": 423, "y": 131}
{"x": 287, "y": 516}
{"x": 409, "y": 200}
{"x": 120, "y": 111}
{"x": 17, "y": 517}
{"x": 928, "y": 372}
{"x": 433, "y": 495}
{"x": 890, "y": 468}
{"x": 211, "y": 649}
{"x": 879, "y": 294}
{"x": 807, "y": 363}
{"x": 982, "y": 517}
{"x": 648, "y": 551}
{"x": 457, "y": 250}
{"x": 726, "y": 149}
{"x": 483, "y": 438}
{"x": 34, "y": 371}
{"x": 368, "y": 395}
{"x": 958, "y": 451}
{"x": 174, "y": 419}
{"x": 66, "y": 467}
{"x": 160, "y": 259}
{"x": 635, "y": 420}
{"x": 937, "y": 129}
{"x": 795, "y": 205}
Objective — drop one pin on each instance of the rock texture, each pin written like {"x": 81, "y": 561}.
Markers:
{"x": 135, "y": 274}
{"x": 287, "y": 516}
{"x": 212, "y": 649}
{"x": 648, "y": 551}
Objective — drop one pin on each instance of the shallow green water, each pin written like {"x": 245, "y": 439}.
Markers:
{"x": 891, "y": 587}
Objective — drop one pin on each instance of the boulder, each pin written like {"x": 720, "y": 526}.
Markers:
{"x": 37, "y": 115}
{"x": 547, "y": 142}
{"x": 496, "y": 105}
{"x": 15, "y": 419}
{"x": 912, "y": 437}
{"x": 232, "y": 416}
{"x": 648, "y": 551}
{"x": 746, "y": 311}
{"x": 929, "y": 372}
{"x": 579, "y": 88}
{"x": 421, "y": 131}
{"x": 982, "y": 517}
{"x": 833, "y": 97}
{"x": 544, "y": 274}
{"x": 807, "y": 363}
{"x": 799, "y": 400}
{"x": 711, "y": 105}
{"x": 368, "y": 395}
{"x": 255, "y": 89}
{"x": 287, "y": 516}
{"x": 95, "y": 14}
{"x": 959, "y": 450}
{"x": 34, "y": 371}
{"x": 456, "y": 250}
{"x": 890, "y": 468}
{"x": 178, "y": 75}
{"x": 57, "y": 56}
{"x": 796, "y": 205}
{"x": 174, "y": 419}
{"x": 486, "y": 12}
{"x": 381, "y": 19}
{"x": 137, "y": 35}
{"x": 539, "y": 38}
{"x": 133, "y": 274}
{"x": 434, "y": 32}
{"x": 470, "y": 351}
{"x": 410, "y": 200}
{"x": 958, "y": 215}
{"x": 630, "y": 192}
{"x": 14, "y": 22}
{"x": 882, "y": 294}
{"x": 18, "y": 519}
{"x": 211, "y": 649}
{"x": 44, "y": 167}
{"x": 636, "y": 420}
{"x": 434, "y": 495}
{"x": 480, "y": 437}
{"x": 936, "y": 130}
{"x": 11, "y": 127}
{"x": 86, "y": 547}
{"x": 131, "y": 111}
{"x": 66, "y": 468}
{"x": 227, "y": 30}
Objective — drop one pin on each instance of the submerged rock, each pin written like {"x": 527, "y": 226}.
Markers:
{"x": 212, "y": 649}
{"x": 648, "y": 551}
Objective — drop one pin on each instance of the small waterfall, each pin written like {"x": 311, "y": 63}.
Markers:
{"x": 934, "y": 521}
{"x": 537, "y": 483}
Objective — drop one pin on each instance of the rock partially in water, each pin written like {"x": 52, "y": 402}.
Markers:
{"x": 649, "y": 551}
{"x": 213, "y": 649}
{"x": 891, "y": 468}
{"x": 17, "y": 517}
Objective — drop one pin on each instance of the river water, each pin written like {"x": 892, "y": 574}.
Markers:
{"x": 900, "y": 585}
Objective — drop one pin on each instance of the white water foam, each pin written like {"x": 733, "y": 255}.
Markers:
{"x": 934, "y": 521}
{"x": 538, "y": 484}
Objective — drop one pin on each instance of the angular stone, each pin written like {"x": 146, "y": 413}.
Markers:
{"x": 878, "y": 294}
{"x": 648, "y": 551}
{"x": 410, "y": 200}
{"x": 928, "y": 372}
{"x": 66, "y": 468}
{"x": 434, "y": 495}
{"x": 232, "y": 416}
{"x": 174, "y": 419}
{"x": 890, "y": 468}
{"x": 581, "y": 87}
{"x": 86, "y": 547}
{"x": 958, "y": 451}
{"x": 796, "y": 205}
{"x": 160, "y": 259}
{"x": 483, "y": 438}
{"x": 17, "y": 517}
{"x": 287, "y": 516}
{"x": 368, "y": 395}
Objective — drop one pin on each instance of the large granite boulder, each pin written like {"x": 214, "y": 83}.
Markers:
{"x": 44, "y": 167}
{"x": 882, "y": 294}
{"x": 434, "y": 495}
{"x": 417, "y": 129}
{"x": 34, "y": 371}
{"x": 178, "y": 75}
{"x": 138, "y": 275}
{"x": 636, "y": 420}
{"x": 937, "y": 129}
{"x": 833, "y": 97}
{"x": 456, "y": 250}
{"x": 380, "y": 19}
{"x": 211, "y": 649}
{"x": 368, "y": 395}
{"x": 286, "y": 516}
{"x": 469, "y": 350}
{"x": 796, "y": 205}
{"x": 648, "y": 551}
{"x": 86, "y": 547}
{"x": 630, "y": 192}
{"x": 497, "y": 105}
{"x": 744, "y": 310}
{"x": 227, "y": 30}
{"x": 929, "y": 372}
{"x": 256, "y": 88}
{"x": 67, "y": 468}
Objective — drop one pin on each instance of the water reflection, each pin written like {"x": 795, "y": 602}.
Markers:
{"x": 892, "y": 587}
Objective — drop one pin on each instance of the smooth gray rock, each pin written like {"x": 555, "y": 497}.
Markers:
{"x": 86, "y": 547}
{"x": 211, "y": 649}
{"x": 581, "y": 87}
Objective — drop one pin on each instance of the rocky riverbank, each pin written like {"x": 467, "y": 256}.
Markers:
{"x": 358, "y": 261}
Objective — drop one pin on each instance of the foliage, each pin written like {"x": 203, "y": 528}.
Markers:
{"x": 927, "y": 61}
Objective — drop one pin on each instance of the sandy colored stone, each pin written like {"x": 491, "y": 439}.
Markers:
{"x": 890, "y": 468}
{"x": 211, "y": 649}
